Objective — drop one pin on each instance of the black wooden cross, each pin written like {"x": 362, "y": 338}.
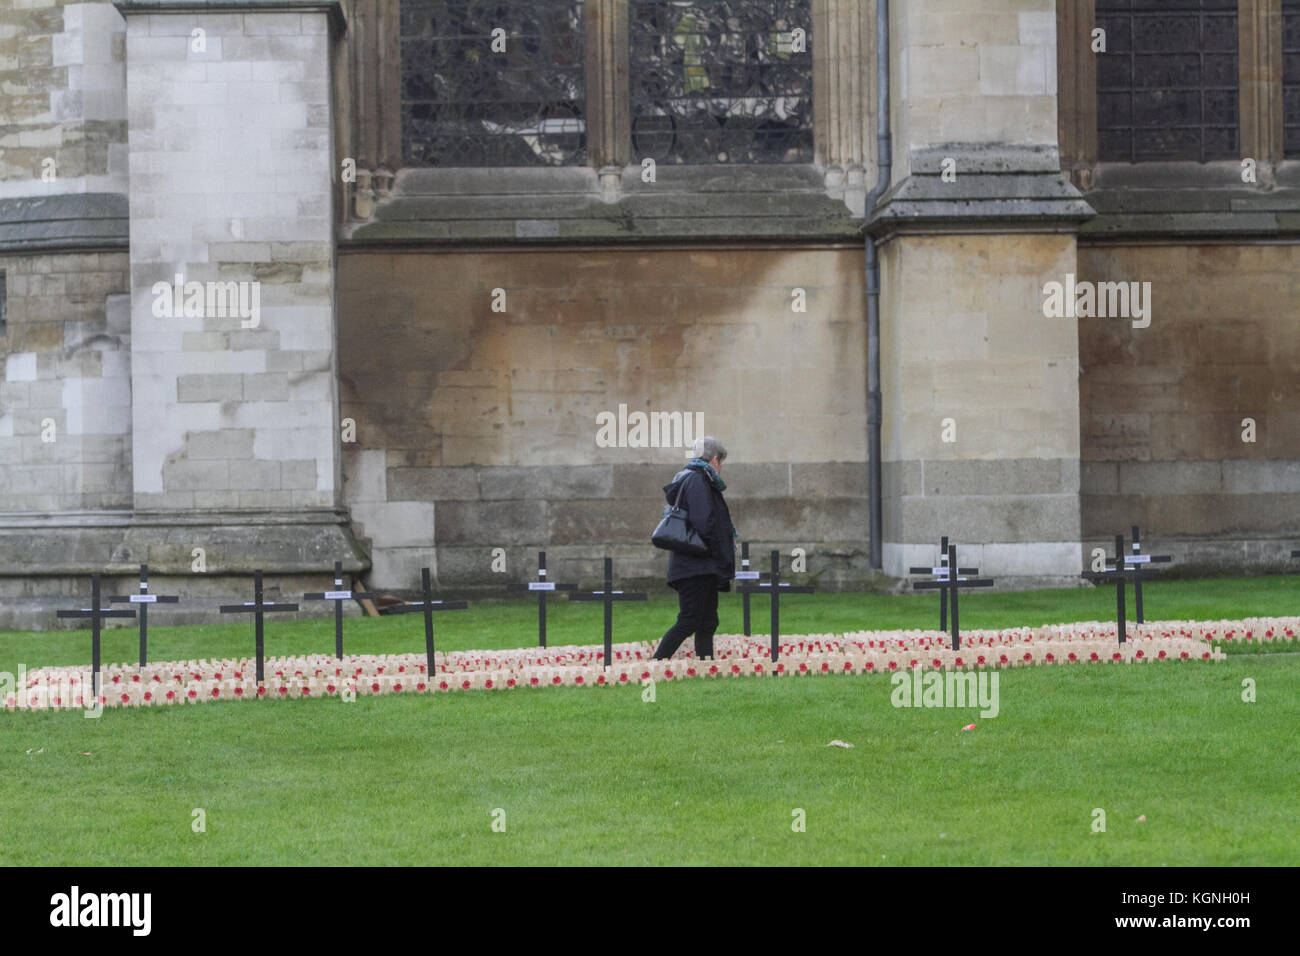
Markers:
{"x": 144, "y": 599}
{"x": 940, "y": 574}
{"x": 775, "y": 587}
{"x": 542, "y": 586}
{"x": 96, "y": 613}
{"x": 338, "y": 596}
{"x": 744, "y": 574}
{"x": 1135, "y": 560}
{"x": 257, "y": 607}
{"x": 608, "y": 596}
{"x": 951, "y": 584}
{"x": 427, "y": 607}
{"x": 1120, "y": 562}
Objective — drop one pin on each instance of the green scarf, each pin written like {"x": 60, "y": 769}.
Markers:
{"x": 715, "y": 479}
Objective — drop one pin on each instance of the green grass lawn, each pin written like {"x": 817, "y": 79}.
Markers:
{"x": 709, "y": 773}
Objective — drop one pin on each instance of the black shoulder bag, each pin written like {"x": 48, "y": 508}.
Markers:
{"x": 675, "y": 533}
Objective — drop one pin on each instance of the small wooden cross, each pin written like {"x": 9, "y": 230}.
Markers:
{"x": 427, "y": 607}
{"x": 96, "y": 612}
{"x": 257, "y": 607}
{"x": 338, "y": 596}
{"x": 144, "y": 599}
{"x": 608, "y": 596}
{"x": 1120, "y": 562}
{"x": 775, "y": 587}
{"x": 940, "y": 574}
{"x": 542, "y": 586}
{"x": 951, "y": 584}
{"x": 745, "y": 574}
{"x": 1135, "y": 560}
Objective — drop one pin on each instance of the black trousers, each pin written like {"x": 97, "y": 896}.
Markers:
{"x": 697, "y": 600}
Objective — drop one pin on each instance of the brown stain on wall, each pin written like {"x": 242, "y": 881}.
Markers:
{"x": 434, "y": 376}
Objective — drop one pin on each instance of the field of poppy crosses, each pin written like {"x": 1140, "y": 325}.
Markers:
{"x": 865, "y": 743}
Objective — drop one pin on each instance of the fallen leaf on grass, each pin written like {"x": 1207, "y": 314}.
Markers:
{"x": 1142, "y": 819}
{"x": 840, "y": 743}
{"x": 34, "y": 752}
{"x": 969, "y": 727}
{"x": 86, "y": 753}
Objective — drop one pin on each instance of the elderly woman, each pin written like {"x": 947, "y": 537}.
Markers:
{"x": 697, "y": 580}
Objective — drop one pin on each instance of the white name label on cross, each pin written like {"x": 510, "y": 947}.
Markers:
{"x": 747, "y": 575}
{"x": 1138, "y": 559}
{"x": 541, "y": 585}
{"x": 337, "y": 595}
{"x": 144, "y": 599}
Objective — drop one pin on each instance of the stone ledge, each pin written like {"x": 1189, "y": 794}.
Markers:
{"x": 538, "y": 206}
{"x": 90, "y": 221}
{"x": 234, "y": 543}
{"x": 1189, "y": 200}
{"x": 331, "y": 8}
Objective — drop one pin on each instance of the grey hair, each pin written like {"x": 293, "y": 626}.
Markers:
{"x": 708, "y": 448}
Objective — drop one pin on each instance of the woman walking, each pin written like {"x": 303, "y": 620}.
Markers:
{"x": 697, "y": 580}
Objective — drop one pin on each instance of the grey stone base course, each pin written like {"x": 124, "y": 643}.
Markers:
{"x": 467, "y": 570}
{"x": 1202, "y": 556}
{"x": 1011, "y": 518}
{"x": 1016, "y": 565}
{"x": 46, "y": 561}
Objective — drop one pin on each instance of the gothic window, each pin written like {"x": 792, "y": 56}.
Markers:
{"x": 1291, "y": 76}
{"x": 492, "y": 83}
{"x": 1167, "y": 86}
{"x": 721, "y": 81}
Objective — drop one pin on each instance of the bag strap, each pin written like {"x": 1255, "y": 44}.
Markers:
{"x": 680, "y": 489}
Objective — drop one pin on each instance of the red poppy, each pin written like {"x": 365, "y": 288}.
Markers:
{"x": 239, "y": 692}
{"x": 870, "y": 666}
{"x": 216, "y": 692}
{"x": 532, "y": 681}
{"x": 375, "y": 687}
{"x": 1116, "y": 656}
{"x": 126, "y": 698}
{"x": 1141, "y": 654}
{"x": 713, "y": 668}
{"x": 171, "y": 694}
{"x": 1002, "y": 658}
{"x": 690, "y": 672}
{"x": 147, "y": 696}
{"x": 1161, "y": 655}
{"x": 576, "y": 680}
{"x": 600, "y": 679}
{"x": 443, "y": 684}
{"x": 893, "y": 666}
{"x": 329, "y": 688}
{"x": 936, "y": 662}
{"x": 397, "y": 688}
{"x": 1072, "y": 657}
{"x": 464, "y": 685}
{"x": 556, "y": 679}
{"x": 135, "y": 678}
{"x": 1183, "y": 655}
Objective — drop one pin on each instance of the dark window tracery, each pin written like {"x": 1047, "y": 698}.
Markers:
{"x": 1167, "y": 84}
{"x": 465, "y": 104}
{"x": 721, "y": 81}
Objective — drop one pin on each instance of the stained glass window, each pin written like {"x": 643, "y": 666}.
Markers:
{"x": 1291, "y": 76}
{"x": 492, "y": 83}
{"x": 1167, "y": 82}
{"x": 721, "y": 81}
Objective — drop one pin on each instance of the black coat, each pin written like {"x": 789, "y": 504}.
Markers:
{"x": 707, "y": 513}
